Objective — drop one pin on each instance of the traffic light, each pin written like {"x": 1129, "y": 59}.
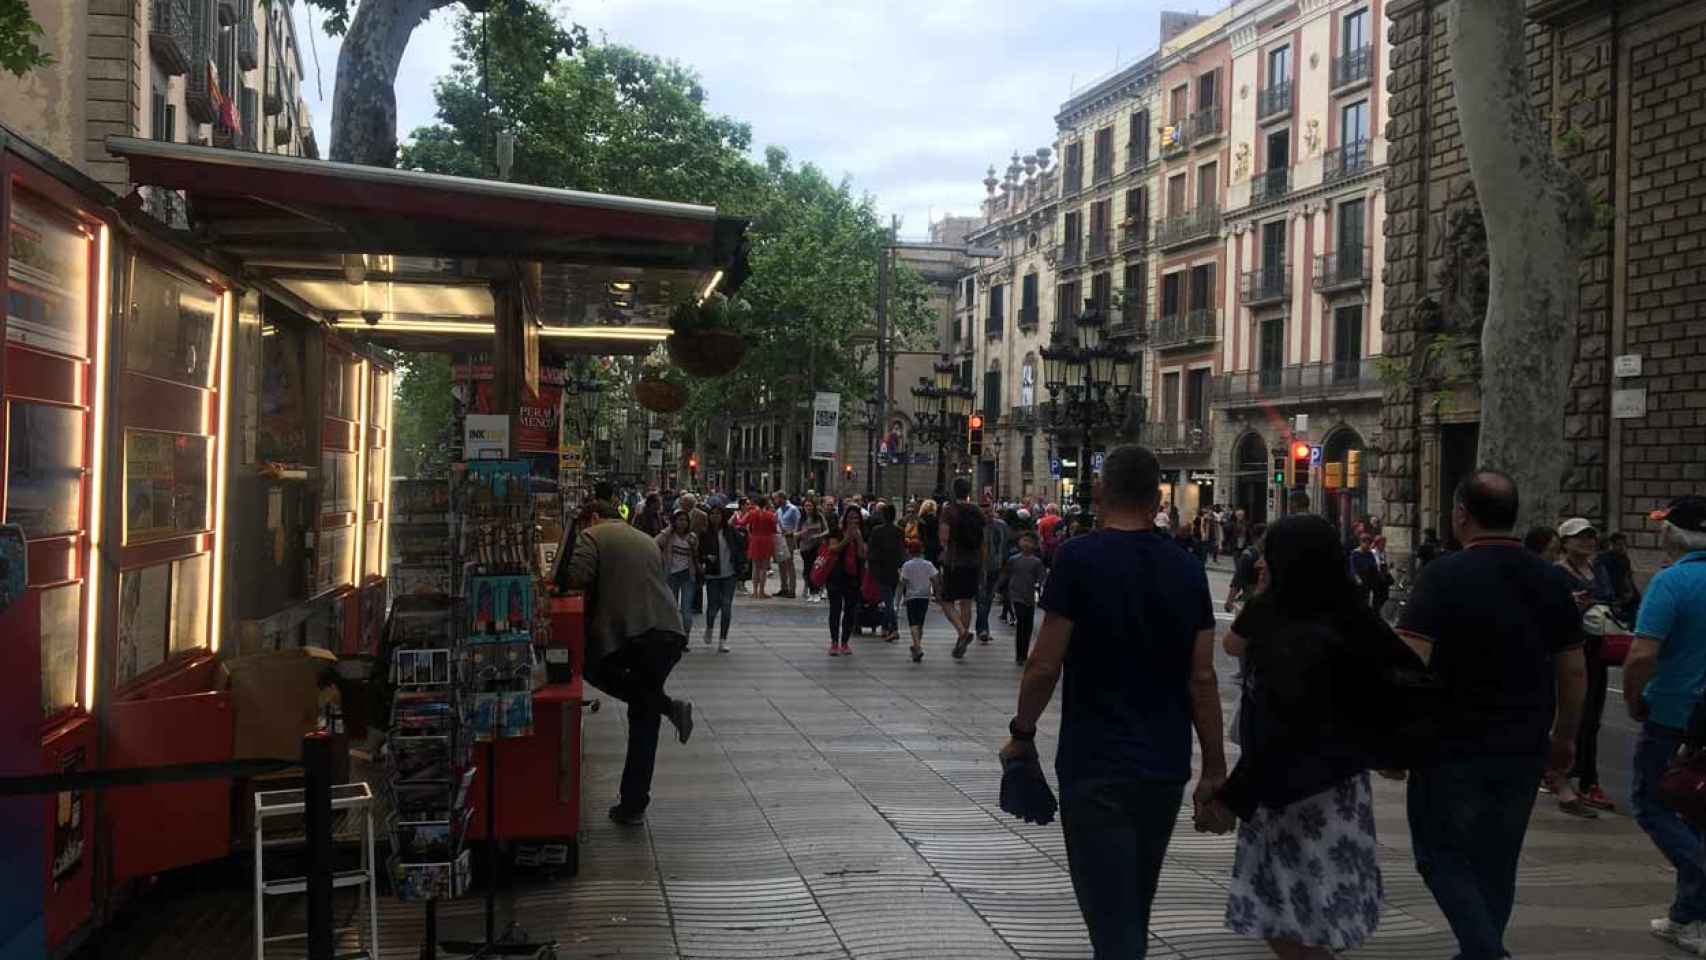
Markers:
{"x": 693, "y": 465}
{"x": 974, "y": 435}
{"x": 848, "y": 470}
{"x": 1297, "y": 465}
{"x": 1279, "y": 469}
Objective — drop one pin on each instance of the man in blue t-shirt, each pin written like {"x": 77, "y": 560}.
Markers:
{"x": 1501, "y": 633}
{"x": 1128, "y": 618}
{"x": 1662, "y": 678}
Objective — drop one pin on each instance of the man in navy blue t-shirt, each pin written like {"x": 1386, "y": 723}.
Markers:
{"x": 1128, "y": 617}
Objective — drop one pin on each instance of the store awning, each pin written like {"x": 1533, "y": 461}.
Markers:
{"x": 408, "y": 259}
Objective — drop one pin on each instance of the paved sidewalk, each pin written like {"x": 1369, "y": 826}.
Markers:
{"x": 845, "y": 808}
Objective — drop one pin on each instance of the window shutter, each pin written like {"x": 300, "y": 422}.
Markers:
{"x": 992, "y": 393}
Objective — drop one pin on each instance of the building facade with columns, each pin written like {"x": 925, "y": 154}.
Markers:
{"x": 1303, "y": 246}
{"x": 1192, "y": 288}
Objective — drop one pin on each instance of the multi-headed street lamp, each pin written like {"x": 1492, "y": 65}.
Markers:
{"x": 1090, "y": 382}
{"x": 943, "y": 409}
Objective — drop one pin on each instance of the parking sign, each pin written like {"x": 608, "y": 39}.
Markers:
{"x": 1315, "y": 454}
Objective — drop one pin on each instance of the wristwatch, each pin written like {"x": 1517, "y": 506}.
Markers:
{"x": 1017, "y": 733}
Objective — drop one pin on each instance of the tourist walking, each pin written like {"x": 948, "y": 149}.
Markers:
{"x": 1024, "y": 579}
{"x": 1662, "y": 678}
{"x": 961, "y": 531}
{"x": 813, "y": 525}
{"x": 760, "y": 529}
{"x": 1580, "y": 541}
{"x": 787, "y": 543}
{"x": 1469, "y": 806}
{"x": 929, "y": 532}
{"x": 1247, "y": 571}
{"x": 848, "y": 555}
{"x": 992, "y": 562}
{"x": 1306, "y": 876}
{"x": 886, "y": 554}
{"x": 722, "y": 561}
{"x": 680, "y": 551}
{"x": 1124, "y": 755}
{"x": 634, "y": 638}
{"x": 651, "y": 519}
{"x": 919, "y": 578}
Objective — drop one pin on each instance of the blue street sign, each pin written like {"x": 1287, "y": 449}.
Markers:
{"x": 1096, "y": 463}
{"x": 1054, "y": 467}
{"x": 1315, "y": 454}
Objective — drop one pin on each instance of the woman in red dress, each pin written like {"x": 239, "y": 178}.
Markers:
{"x": 760, "y": 546}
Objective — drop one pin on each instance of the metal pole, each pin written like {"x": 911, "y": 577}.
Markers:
{"x": 885, "y": 281}
{"x": 317, "y": 825}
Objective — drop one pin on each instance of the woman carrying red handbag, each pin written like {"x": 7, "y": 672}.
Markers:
{"x": 844, "y": 549}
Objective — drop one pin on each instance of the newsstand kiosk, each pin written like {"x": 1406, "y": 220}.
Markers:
{"x": 195, "y": 428}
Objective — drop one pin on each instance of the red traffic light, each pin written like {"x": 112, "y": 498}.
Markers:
{"x": 1300, "y": 451}
{"x": 693, "y": 463}
{"x": 848, "y": 469}
{"x": 977, "y": 421}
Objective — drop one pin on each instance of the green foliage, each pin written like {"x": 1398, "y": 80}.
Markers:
{"x": 422, "y": 444}
{"x": 609, "y": 120}
{"x": 19, "y": 53}
{"x": 614, "y": 120}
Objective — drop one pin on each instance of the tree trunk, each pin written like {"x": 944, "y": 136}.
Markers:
{"x": 1537, "y": 218}
{"x": 364, "y": 103}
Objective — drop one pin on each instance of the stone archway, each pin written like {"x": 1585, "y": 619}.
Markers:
{"x": 1344, "y": 484}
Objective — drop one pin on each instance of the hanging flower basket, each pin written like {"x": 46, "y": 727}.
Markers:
{"x": 707, "y": 352}
{"x": 660, "y": 396}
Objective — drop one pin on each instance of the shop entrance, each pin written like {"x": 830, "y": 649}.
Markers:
{"x": 1343, "y": 484}
{"x": 1252, "y": 478}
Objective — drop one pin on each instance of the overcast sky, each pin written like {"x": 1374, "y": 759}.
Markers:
{"x": 911, "y": 99}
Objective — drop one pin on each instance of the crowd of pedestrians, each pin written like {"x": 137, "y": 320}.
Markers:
{"x": 1487, "y": 690}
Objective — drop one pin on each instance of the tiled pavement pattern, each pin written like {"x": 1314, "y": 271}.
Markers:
{"x": 845, "y": 808}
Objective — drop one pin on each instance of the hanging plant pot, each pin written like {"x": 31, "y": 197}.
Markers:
{"x": 707, "y": 353}
{"x": 660, "y": 396}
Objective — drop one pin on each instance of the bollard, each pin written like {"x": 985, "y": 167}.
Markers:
{"x": 317, "y": 824}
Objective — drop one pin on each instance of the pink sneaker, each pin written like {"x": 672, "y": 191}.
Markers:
{"x": 834, "y": 650}
{"x": 846, "y": 650}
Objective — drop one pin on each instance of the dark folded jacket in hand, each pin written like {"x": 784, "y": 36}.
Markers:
{"x": 1024, "y": 790}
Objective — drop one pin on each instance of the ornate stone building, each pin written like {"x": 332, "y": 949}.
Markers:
{"x": 1619, "y": 85}
{"x": 1303, "y": 248}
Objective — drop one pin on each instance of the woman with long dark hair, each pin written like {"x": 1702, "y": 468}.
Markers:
{"x": 846, "y": 545}
{"x": 813, "y": 525}
{"x": 929, "y": 532}
{"x": 1305, "y": 876}
{"x": 722, "y": 556}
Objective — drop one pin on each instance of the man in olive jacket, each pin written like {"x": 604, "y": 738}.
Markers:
{"x": 634, "y": 638}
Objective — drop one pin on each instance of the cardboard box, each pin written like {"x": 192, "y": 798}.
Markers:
{"x": 276, "y": 697}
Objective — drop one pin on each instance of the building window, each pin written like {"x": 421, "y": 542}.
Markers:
{"x": 1176, "y": 195}
{"x": 1353, "y": 123}
{"x": 1179, "y": 107}
{"x": 1170, "y": 305}
{"x": 1353, "y": 34}
{"x": 1170, "y": 398}
{"x": 997, "y": 318}
{"x": 1065, "y": 302}
{"x": 1273, "y": 243}
{"x": 1102, "y": 291}
{"x": 1279, "y": 66}
{"x": 1028, "y": 301}
{"x": 1272, "y": 355}
{"x": 1351, "y": 228}
{"x": 1347, "y": 342}
{"x": 1208, "y": 90}
{"x": 163, "y": 117}
{"x": 1208, "y": 185}
{"x": 1196, "y": 395}
{"x": 1202, "y": 287}
{"x": 1104, "y": 159}
{"x": 971, "y": 290}
{"x": 992, "y": 393}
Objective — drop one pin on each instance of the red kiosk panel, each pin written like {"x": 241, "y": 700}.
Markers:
{"x": 162, "y": 826}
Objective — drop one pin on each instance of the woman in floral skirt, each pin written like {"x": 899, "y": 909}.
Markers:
{"x": 1306, "y": 877}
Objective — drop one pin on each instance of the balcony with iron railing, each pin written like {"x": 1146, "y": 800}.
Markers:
{"x": 1270, "y": 185}
{"x": 1103, "y": 170}
{"x": 1180, "y": 436}
{"x": 1023, "y": 418}
{"x": 994, "y": 326}
{"x": 1137, "y": 154}
{"x": 1130, "y": 319}
{"x": 272, "y": 100}
{"x": 1345, "y": 161}
{"x": 1071, "y": 252}
{"x": 1175, "y": 137}
{"x": 1299, "y": 381}
{"x": 169, "y": 36}
{"x": 1028, "y": 317}
{"x": 1186, "y": 329}
{"x": 1134, "y": 235}
{"x": 1354, "y": 68}
{"x": 1273, "y": 101}
{"x": 1206, "y": 125}
{"x": 1189, "y": 227}
{"x": 1270, "y": 283}
{"x": 1071, "y": 180}
{"x": 167, "y": 206}
{"x": 1101, "y": 244}
{"x": 1344, "y": 269}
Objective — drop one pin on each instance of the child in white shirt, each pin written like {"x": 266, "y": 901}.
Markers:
{"x": 918, "y": 577}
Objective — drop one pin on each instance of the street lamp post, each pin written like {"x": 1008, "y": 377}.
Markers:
{"x": 943, "y": 406}
{"x": 868, "y": 419}
{"x": 1090, "y": 382}
{"x": 999, "y": 443}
